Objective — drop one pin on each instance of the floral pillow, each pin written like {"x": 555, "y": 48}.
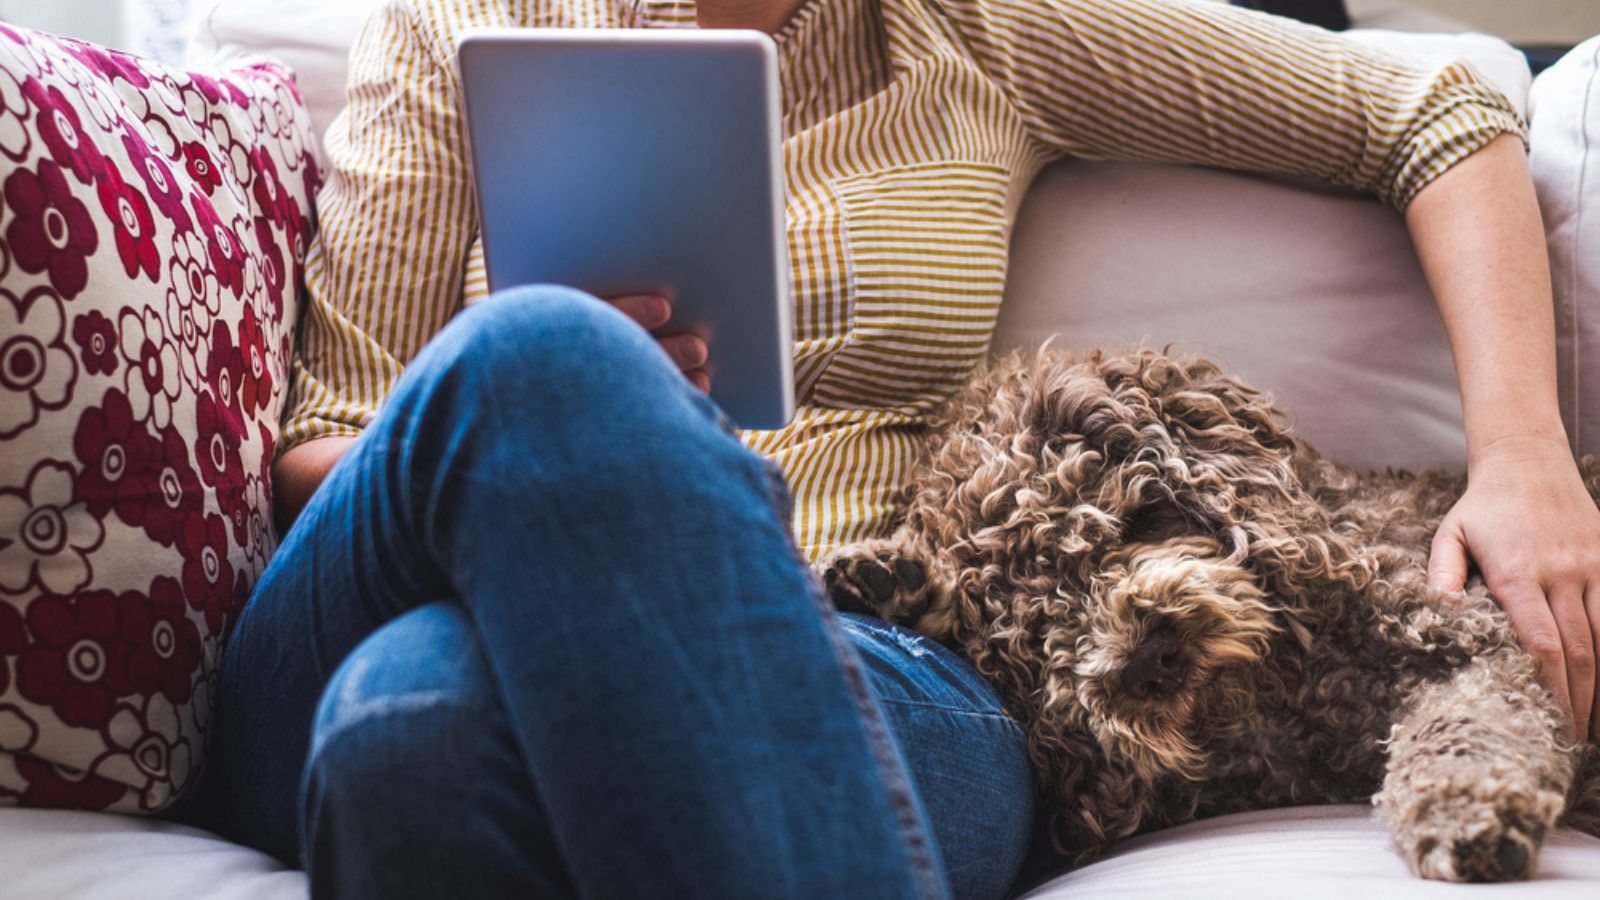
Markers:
{"x": 152, "y": 227}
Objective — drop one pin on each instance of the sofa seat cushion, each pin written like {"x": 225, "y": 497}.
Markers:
{"x": 1302, "y": 853}
{"x": 48, "y": 854}
{"x": 1333, "y": 852}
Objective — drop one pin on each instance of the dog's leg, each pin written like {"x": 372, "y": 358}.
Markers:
{"x": 1583, "y": 803}
{"x": 895, "y": 578}
{"x": 1479, "y": 769}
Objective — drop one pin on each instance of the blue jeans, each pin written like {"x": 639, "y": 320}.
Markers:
{"x": 544, "y": 632}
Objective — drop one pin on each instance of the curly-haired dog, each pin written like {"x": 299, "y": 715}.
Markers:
{"x": 1191, "y": 613}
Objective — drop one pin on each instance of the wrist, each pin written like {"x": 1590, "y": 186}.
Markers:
{"x": 1519, "y": 446}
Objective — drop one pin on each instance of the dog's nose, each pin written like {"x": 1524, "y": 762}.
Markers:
{"x": 1156, "y": 669}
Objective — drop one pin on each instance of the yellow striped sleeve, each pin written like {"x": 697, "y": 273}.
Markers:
{"x": 1186, "y": 81}
{"x": 386, "y": 270}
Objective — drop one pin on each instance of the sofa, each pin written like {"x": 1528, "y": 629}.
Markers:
{"x": 1314, "y": 294}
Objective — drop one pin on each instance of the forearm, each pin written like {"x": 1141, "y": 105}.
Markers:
{"x": 297, "y": 473}
{"x": 1526, "y": 521}
{"x": 1481, "y": 241}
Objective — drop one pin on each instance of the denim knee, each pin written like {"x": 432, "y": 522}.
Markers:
{"x": 389, "y": 706}
{"x": 545, "y": 340}
{"x": 410, "y": 732}
{"x": 551, "y": 367}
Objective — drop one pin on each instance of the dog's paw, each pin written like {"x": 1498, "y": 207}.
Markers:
{"x": 1471, "y": 841}
{"x": 877, "y": 584}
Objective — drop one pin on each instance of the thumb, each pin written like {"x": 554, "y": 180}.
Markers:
{"x": 1447, "y": 560}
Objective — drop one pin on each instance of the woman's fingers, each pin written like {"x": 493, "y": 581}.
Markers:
{"x": 1592, "y": 603}
{"x": 687, "y": 351}
{"x": 1577, "y": 650}
{"x": 649, "y": 311}
{"x": 1536, "y": 625}
{"x": 1447, "y": 560}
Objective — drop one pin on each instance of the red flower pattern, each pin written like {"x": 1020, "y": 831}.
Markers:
{"x": 165, "y": 191}
{"x": 77, "y": 663}
{"x": 148, "y": 217}
{"x": 58, "y": 787}
{"x": 223, "y": 247}
{"x": 132, "y": 223}
{"x": 207, "y": 575}
{"x": 218, "y": 433}
{"x": 255, "y": 381}
{"x": 110, "y": 63}
{"x": 175, "y": 496}
{"x": 164, "y": 643}
{"x": 62, "y": 131}
{"x": 52, "y": 231}
{"x": 96, "y": 338}
{"x": 270, "y": 196}
{"x": 273, "y": 274}
{"x": 224, "y": 367}
{"x": 37, "y": 373}
{"x": 197, "y": 161}
{"x": 115, "y": 450}
{"x": 12, "y": 641}
{"x": 46, "y": 537}
{"x": 146, "y": 480}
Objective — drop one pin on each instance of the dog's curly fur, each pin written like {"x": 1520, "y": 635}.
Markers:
{"x": 1191, "y": 613}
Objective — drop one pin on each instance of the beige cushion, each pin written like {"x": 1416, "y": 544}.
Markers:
{"x": 1316, "y": 296}
{"x": 1566, "y": 168}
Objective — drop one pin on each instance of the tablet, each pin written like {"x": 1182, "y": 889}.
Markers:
{"x": 632, "y": 161}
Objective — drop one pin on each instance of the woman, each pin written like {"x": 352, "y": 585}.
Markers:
{"x": 543, "y": 629}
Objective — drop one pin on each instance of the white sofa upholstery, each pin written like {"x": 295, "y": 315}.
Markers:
{"x": 1314, "y": 294}
{"x": 1303, "y": 853}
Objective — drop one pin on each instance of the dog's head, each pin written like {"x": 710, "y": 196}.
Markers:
{"x": 1131, "y": 542}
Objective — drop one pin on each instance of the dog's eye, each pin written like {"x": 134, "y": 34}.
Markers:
{"x": 1153, "y": 524}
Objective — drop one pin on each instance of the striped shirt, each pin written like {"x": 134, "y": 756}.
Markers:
{"x": 911, "y": 130}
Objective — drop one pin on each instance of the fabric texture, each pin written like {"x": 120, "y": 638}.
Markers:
{"x": 657, "y": 643}
{"x": 896, "y": 113}
{"x": 1566, "y": 171}
{"x": 151, "y": 236}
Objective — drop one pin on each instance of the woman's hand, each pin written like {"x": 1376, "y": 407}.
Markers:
{"x": 688, "y": 351}
{"x": 1530, "y": 526}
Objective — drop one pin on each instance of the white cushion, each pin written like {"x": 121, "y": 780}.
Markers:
{"x": 1304, "y": 853}
{"x": 312, "y": 37}
{"x": 51, "y": 855}
{"x": 1316, "y": 296}
{"x": 1566, "y": 169}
